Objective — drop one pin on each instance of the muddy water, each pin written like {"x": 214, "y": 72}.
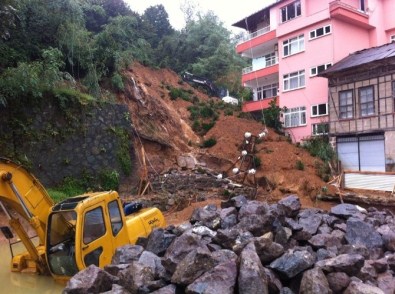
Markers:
{"x": 18, "y": 283}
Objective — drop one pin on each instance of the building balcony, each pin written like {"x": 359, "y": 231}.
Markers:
{"x": 250, "y": 74}
{"x": 255, "y": 39}
{"x": 251, "y": 106}
{"x": 349, "y": 14}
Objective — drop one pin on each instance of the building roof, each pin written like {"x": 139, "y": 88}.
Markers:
{"x": 362, "y": 57}
{"x": 255, "y": 17}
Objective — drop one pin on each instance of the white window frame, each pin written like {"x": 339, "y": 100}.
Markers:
{"x": 293, "y": 45}
{"x": 295, "y": 6}
{"x": 314, "y": 71}
{"x": 346, "y": 104}
{"x": 295, "y": 117}
{"x": 300, "y": 78}
{"x": 392, "y": 38}
{"x": 326, "y": 30}
{"x": 367, "y": 107}
{"x": 317, "y": 110}
{"x": 314, "y": 129}
{"x": 273, "y": 88}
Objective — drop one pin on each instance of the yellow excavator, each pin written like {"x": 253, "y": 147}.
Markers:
{"x": 72, "y": 234}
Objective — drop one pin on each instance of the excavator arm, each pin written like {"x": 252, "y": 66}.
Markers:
{"x": 22, "y": 192}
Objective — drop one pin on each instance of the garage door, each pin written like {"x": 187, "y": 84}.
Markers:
{"x": 347, "y": 153}
{"x": 372, "y": 155}
{"x": 364, "y": 153}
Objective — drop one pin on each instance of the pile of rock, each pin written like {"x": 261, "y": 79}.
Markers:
{"x": 253, "y": 247}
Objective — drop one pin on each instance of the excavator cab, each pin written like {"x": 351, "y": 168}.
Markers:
{"x": 84, "y": 230}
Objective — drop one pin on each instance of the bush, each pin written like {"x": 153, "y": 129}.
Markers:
{"x": 322, "y": 170}
{"x": 257, "y": 161}
{"x": 207, "y": 112}
{"x": 299, "y": 165}
{"x": 319, "y": 147}
{"x": 207, "y": 126}
{"x": 272, "y": 116}
{"x": 196, "y": 126}
{"x": 179, "y": 93}
{"x": 209, "y": 143}
{"x": 109, "y": 180}
{"x": 69, "y": 188}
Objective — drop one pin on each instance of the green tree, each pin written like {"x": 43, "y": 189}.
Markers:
{"x": 272, "y": 115}
{"x": 158, "y": 19}
{"x": 31, "y": 80}
{"x": 98, "y": 13}
{"x": 8, "y": 17}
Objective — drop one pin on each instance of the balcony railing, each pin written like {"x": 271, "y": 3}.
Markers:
{"x": 269, "y": 62}
{"x": 254, "y": 34}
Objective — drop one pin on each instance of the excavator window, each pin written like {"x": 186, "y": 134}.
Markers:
{"x": 94, "y": 226}
{"x": 61, "y": 243}
{"x": 115, "y": 217}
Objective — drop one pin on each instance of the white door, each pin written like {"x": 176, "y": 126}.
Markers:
{"x": 347, "y": 153}
{"x": 372, "y": 155}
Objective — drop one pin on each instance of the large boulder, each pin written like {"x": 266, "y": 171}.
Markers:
{"x": 137, "y": 278}
{"x": 252, "y": 278}
{"x": 314, "y": 281}
{"x": 126, "y": 254}
{"x": 326, "y": 240}
{"x": 292, "y": 263}
{"x": 253, "y": 207}
{"x": 257, "y": 224}
{"x": 266, "y": 249}
{"x": 290, "y": 205}
{"x": 192, "y": 266}
{"x": 148, "y": 259}
{"x": 237, "y": 202}
{"x": 180, "y": 247}
{"x": 227, "y": 238}
{"x": 310, "y": 220}
{"x": 346, "y": 210}
{"x": 361, "y": 288}
{"x": 207, "y": 216}
{"x": 388, "y": 235}
{"x": 158, "y": 241}
{"x": 220, "y": 279}
{"x": 90, "y": 280}
{"x": 361, "y": 233}
{"x": 386, "y": 282}
{"x": 350, "y": 264}
{"x": 338, "y": 281}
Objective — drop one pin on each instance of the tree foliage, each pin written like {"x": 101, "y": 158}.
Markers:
{"x": 97, "y": 39}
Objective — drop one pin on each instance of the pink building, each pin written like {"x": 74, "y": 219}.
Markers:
{"x": 291, "y": 42}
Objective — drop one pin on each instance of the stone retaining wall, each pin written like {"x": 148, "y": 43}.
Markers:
{"x": 82, "y": 141}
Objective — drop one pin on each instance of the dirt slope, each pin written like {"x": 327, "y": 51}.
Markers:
{"x": 164, "y": 127}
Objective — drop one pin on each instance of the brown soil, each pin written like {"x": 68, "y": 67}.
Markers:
{"x": 165, "y": 129}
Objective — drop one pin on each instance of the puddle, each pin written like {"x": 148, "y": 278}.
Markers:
{"x": 22, "y": 283}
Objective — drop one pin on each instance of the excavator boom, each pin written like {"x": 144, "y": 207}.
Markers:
{"x": 22, "y": 192}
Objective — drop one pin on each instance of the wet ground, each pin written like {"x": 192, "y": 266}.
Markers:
{"x": 23, "y": 283}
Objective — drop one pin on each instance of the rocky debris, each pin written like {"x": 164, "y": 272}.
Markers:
{"x": 220, "y": 279}
{"x": 253, "y": 247}
{"x": 91, "y": 280}
{"x": 126, "y": 254}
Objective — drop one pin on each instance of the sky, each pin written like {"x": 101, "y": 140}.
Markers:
{"x": 228, "y": 11}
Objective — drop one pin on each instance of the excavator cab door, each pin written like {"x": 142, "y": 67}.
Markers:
{"x": 96, "y": 237}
